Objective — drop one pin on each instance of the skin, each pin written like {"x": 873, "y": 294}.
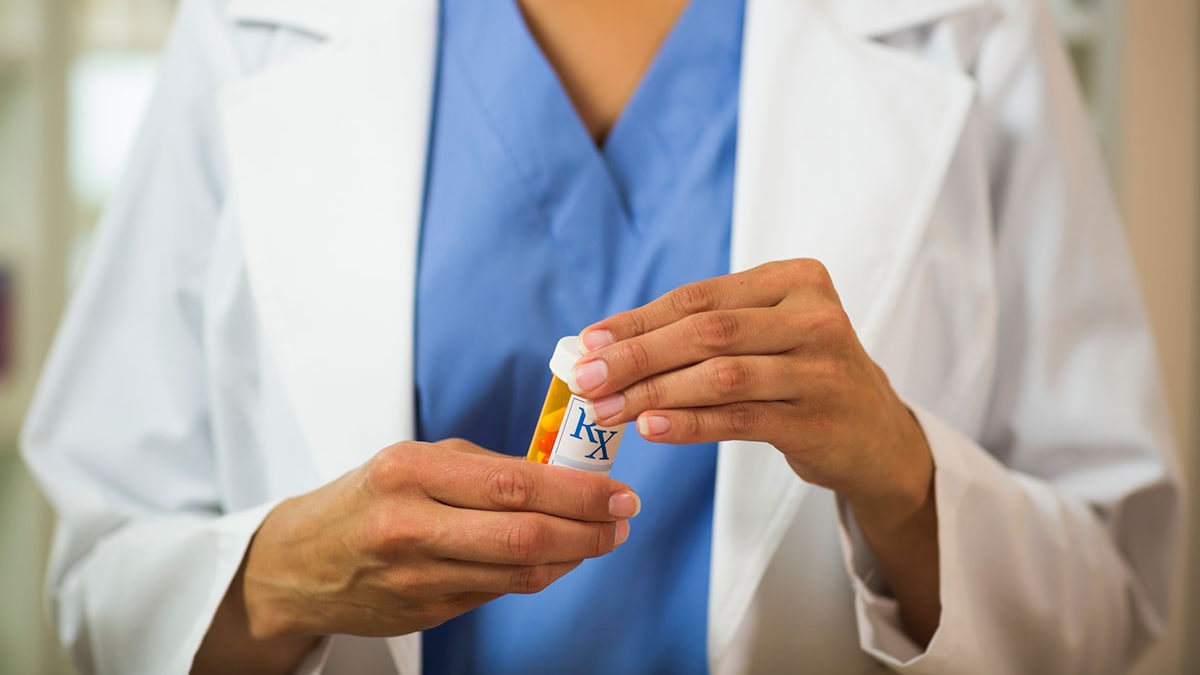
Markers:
{"x": 770, "y": 355}
{"x": 421, "y": 533}
{"x": 600, "y": 49}
{"x": 425, "y": 532}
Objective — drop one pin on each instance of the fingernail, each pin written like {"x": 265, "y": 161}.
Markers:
{"x": 622, "y": 533}
{"x": 609, "y": 405}
{"x": 624, "y": 505}
{"x": 591, "y": 375}
{"x": 653, "y": 425}
{"x": 595, "y": 339}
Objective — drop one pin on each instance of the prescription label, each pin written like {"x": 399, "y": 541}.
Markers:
{"x": 581, "y": 442}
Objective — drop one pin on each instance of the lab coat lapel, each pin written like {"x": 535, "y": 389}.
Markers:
{"x": 842, "y": 147}
{"x": 327, "y": 152}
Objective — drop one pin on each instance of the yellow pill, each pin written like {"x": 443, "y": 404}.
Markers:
{"x": 551, "y": 421}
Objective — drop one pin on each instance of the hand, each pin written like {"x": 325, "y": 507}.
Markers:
{"x": 770, "y": 355}
{"x": 422, "y": 533}
{"x": 764, "y": 355}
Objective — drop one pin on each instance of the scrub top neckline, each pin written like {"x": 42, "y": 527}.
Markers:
{"x": 523, "y": 240}
{"x": 529, "y": 108}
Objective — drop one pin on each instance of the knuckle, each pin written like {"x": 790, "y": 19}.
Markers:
{"x": 458, "y": 444}
{"x": 637, "y": 323}
{"x": 832, "y": 323}
{"x": 530, "y": 579}
{"x": 388, "y": 467}
{"x": 413, "y": 584}
{"x": 807, "y": 273}
{"x": 693, "y": 426}
{"x": 694, "y": 298}
{"x": 823, "y": 282}
{"x": 813, "y": 272}
{"x": 427, "y": 604}
{"x": 781, "y": 274}
{"x": 592, "y": 492}
{"x": 651, "y": 393}
{"x": 741, "y": 419}
{"x": 716, "y": 330}
{"x": 605, "y": 535}
{"x": 728, "y": 376}
{"x": 634, "y": 353}
{"x": 509, "y": 488}
{"x": 523, "y": 541}
{"x": 385, "y": 533}
{"x": 774, "y": 268}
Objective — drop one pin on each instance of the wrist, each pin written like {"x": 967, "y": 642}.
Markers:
{"x": 232, "y": 646}
{"x": 271, "y": 609}
{"x": 906, "y": 491}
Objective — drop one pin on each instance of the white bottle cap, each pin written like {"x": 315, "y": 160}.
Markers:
{"x": 566, "y": 354}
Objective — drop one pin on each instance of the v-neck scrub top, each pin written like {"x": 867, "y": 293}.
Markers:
{"x": 530, "y": 232}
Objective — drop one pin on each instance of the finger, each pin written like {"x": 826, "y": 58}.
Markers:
{"x": 522, "y": 538}
{"x": 714, "y": 382}
{"x": 762, "y": 286}
{"x": 457, "y": 585}
{"x": 744, "y": 289}
{"x": 503, "y": 483}
{"x": 748, "y": 421}
{"x": 525, "y": 580}
{"x": 690, "y": 340}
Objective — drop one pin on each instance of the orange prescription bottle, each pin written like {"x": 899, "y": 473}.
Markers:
{"x": 567, "y": 433}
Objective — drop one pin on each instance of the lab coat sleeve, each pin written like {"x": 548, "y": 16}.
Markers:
{"x": 1057, "y": 523}
{"x": 118, "y": 435}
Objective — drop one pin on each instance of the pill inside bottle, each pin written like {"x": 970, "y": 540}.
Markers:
{"x": 567, "y": 433}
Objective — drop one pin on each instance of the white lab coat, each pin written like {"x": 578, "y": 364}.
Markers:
{"x": 244, "y": 333}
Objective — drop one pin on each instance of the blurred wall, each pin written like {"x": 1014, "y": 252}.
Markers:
{"x": 1158, "y": 175}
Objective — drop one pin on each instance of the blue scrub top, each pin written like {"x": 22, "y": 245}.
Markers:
{"x": 531, "y": 232}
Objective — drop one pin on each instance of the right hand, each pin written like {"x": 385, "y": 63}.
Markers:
{"x": 421, "y": 533}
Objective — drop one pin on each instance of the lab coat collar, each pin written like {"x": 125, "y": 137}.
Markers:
{"x": 866, "y": 18}
{"x": 320, "y": 18}
{"x": 877, "y": 18}
{"x": 843, "y": 144}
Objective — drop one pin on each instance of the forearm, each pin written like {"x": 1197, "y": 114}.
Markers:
{"x": 230, "y": 648}
{"x": 905, "y": 546}
{"x": 900, "y": 526}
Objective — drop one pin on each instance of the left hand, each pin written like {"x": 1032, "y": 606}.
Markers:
{"x": 763, "y": 355}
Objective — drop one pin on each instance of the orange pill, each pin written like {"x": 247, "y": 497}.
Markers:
{"x": 545, "y": 442}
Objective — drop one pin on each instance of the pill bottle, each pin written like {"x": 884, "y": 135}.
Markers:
{"x": 567, "y": 433}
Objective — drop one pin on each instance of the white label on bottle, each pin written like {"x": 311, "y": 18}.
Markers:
{"x": 583, "y": 444}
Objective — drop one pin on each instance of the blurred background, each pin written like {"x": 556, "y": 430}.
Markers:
{"x": 75, "y": 74}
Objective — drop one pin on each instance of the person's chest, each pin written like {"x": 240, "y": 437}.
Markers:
{"x": 600, "y": 49}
